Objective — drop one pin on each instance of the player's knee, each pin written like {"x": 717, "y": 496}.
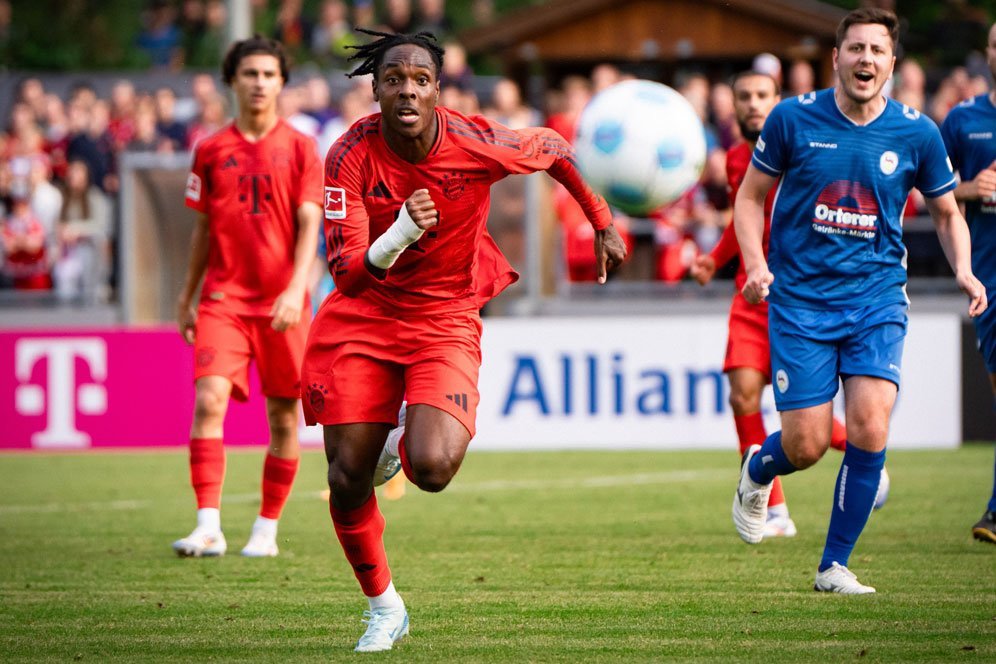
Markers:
{"x": 804, "y": 451}
{"x": 743, "y": 402}
{"x": 871, "y": 432}
{"x": 209, "y": 405}
{"x": 433, "y": 470}
{"x": 348, "y": 485}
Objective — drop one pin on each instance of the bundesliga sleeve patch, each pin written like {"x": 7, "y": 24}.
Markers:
{"x": 193, "y": 191}
{"x": 335, "y": 203}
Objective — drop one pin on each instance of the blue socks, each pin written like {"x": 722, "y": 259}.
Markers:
{"x": 853, "y": 499}
{"x": 770, "y": 461}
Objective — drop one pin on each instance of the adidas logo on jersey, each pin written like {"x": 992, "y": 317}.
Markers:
{"x": 380, "y": 190}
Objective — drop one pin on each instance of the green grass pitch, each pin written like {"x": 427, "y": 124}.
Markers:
{"x": 526, "y": 557}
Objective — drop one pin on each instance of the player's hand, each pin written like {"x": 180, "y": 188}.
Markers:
{"x": 610, "y": 251}
{"x": 186, "y": 318}
{"x": 422, "y": 209}
{"x": 976, "y": 292}
{"x": 703, "y": 269}
{"x": 985, "y": 182}
{"x": 286, "y": 310}
{"x": 756, "y": 288}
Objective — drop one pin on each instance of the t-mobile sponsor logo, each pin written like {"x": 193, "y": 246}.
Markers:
{"x": 61, "y": 398}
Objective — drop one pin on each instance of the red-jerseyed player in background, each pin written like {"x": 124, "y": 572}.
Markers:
{"x": 748, "y": 356}
{"x": 256, "y": 185}
{"x": 406, "y": 202}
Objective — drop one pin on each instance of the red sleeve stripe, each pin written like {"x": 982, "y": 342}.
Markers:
{"x": 489, "y": 136}
{"x": 507, "y": 134}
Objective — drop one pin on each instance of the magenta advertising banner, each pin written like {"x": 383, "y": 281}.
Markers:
{"x": 82, "y": 389}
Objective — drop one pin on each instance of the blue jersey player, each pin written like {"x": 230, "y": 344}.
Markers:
{"x": 970, "y": 135}
{"x": 847, "y": 158}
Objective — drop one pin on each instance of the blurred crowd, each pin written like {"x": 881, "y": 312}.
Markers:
{"x": 59, "y": 155}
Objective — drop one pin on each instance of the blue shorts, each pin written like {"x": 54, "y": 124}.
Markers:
{"x": 985, "y": 330}
{"x": 812, "y": 348}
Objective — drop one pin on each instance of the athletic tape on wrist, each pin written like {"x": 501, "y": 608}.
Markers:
{"x": 403, "y": 232}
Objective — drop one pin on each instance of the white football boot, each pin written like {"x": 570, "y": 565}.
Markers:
{"x": 261, "y": 545}
{"x": 201, "y": 543}
{"x": 750, "y": 502}
{"x": 839, "y": 579}
{"x": 385, "y": 626}
{"x": 389, "y": 462}
{"x": 884, "y": 484}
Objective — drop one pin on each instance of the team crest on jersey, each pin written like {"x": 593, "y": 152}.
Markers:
{"x": 888, "y": 162}
{"x": 335, "y": 203}
{"x": 453, "y": 185}
{"x": 205, "y": 356}
{"x": 193, "y": 191}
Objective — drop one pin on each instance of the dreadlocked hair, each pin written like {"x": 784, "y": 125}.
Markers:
{"x": 372, "y": 54}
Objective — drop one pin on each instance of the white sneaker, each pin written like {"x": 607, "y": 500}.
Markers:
{"x": 839, "y": 579}
{"x": 750, "y": 502}
{"x": 389, "y": 463}
{"x": 385, "y": 626}
{"x": 201, "y": 542}
{"x": 260, "y": 545}
{"x": 882, "y": 495}
{"x": 779, "y": 525}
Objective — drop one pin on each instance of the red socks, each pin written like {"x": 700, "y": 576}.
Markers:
{"x": 750, "y": 431}
{"x": 207, "y": 470}
{"x": 406, "y": 465}
{"x": 838, "y": 437}
{"x": 361, "y": 533}
{"x": 278, "y": 477}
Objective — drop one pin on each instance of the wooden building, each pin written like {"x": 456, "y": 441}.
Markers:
{"x": 656, "y": 38}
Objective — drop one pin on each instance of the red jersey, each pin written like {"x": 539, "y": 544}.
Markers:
{"x": 251, "y": 193}
{"x": 366, "y": 184}
{"x": 737, "y": 161}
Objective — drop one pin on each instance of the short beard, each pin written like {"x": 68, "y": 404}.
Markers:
{"x": 749, "y": 134}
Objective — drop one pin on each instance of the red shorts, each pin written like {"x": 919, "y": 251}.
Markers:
{"x": 747, "y": 345}
{"x": 226, "y": 341}
{"x": 363, "y": 359}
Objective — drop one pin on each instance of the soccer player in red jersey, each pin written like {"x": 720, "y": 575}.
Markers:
{"x": 406, "y": 204}
{"x": 748, "y": 356}
{"x": 256, "y": 185}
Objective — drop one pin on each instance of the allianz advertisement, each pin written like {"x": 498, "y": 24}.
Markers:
{"x": 546, "y": 383}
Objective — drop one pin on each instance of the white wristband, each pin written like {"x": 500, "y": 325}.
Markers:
{"x": 402, "y": 233}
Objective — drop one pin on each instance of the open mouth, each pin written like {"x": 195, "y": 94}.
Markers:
{"x": 864, "y": 76}
{"x": 408, "y": 115}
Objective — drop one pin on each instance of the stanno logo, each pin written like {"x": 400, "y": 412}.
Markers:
{"x": 820, "y": 144}
{"x": 980, "y": 135}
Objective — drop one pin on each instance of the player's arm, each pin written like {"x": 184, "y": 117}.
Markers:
{"x": 286, "y": 310}
{"x": 542, "y": 149}
{"x": 200, "y": 243}
{"x": 952, "y": 231}
{"x": 748, "y": 221}
{"x": 981, "y": 187}
{"x": 416, "y": 216}
{"x": 704, "y": 267}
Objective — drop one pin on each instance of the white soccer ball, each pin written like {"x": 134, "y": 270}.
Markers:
{"x": 641, "y": 145}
